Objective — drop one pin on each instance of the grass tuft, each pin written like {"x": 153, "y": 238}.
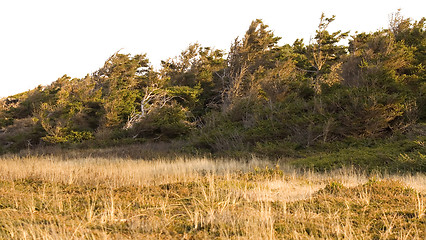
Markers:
{"x": 199, "y": 198}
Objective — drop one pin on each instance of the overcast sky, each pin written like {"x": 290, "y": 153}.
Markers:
{"x": 42, "y": 40}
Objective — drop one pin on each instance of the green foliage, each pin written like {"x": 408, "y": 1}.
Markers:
{"x": 70, "y": 137}
{"x": 277, "y": 149}
{"x": 367, "y": 112}
{"x": 22, "y": 134}
{"x": 219, "y": 134}
{"x": 120, "y": 82}
{"x": 324, "y": 55}
{"x": 391, "y": 156}
{"x": 195, "y": 73}
{"x": 262, "y": 98}
{"x": 163, "y": 123}
{"x": 247, "y": 60}
{"x": 185, "y": 95}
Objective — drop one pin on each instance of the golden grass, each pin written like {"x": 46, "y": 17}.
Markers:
{"x": 51, "y": 197}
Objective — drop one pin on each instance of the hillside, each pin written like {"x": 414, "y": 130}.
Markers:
{"x": 324, "y": 102}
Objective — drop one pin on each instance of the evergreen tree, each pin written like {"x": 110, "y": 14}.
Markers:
{"x": 247, "y": 58}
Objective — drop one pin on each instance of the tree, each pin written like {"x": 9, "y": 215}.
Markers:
{"x": 193, "y": 77}
{"x": 390, "y": 58}
{"x": 324, "y": 54}
{"x": 120, "y": 81}
{"x": 251, "y": 55}
{"x": 72, "y": 113}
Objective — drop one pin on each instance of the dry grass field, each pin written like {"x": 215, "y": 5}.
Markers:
{"x": 49, "y": 197}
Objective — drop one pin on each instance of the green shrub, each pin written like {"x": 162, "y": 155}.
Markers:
{"x": 277, "y": 149}
{"x": 390, "y": 155}
{"x": 167, "y": 122}
{"x": 69, "y": 137}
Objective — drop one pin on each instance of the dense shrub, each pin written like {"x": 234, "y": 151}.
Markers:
{"x": 262, "y": 98}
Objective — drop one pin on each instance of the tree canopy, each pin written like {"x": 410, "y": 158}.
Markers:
{"x": 257, "y": 93}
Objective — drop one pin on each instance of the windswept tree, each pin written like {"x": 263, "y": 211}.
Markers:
{"x": 247, "y": 58}
{"x": 193, "y": 77}
{"x": 324, "y": 54}
{"x": 120, "y": 80}
{"x": 72, "y": 113}
{"x": 258, "y": 95}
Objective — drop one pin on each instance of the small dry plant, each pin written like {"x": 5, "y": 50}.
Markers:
{"x": 98, "y": 198}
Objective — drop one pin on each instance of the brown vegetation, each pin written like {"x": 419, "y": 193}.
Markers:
{"x": 95, "y": 198}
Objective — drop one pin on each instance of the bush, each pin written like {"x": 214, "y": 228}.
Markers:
{"x": 69, "y": 137}
{"x": 23, "y": 133}
{"x": 391, "y": 155}
{"x": 362, "y": 112}
{"x": 167, "y": 122}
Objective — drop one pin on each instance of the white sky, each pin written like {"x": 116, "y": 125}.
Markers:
{"x": 41, "y": 40}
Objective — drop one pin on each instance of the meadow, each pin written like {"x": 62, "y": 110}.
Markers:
{"x": 94, "y": 197}
{"x": 318, "y": 140}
